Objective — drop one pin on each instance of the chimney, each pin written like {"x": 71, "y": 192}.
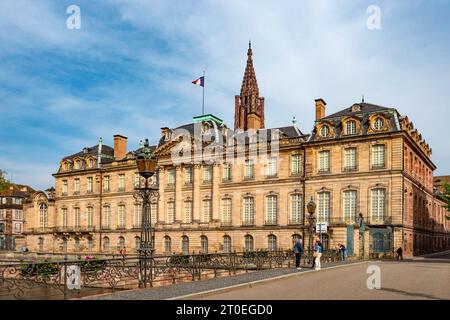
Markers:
{"x": 320, "y": 108}
{"x": 120, "y": 146}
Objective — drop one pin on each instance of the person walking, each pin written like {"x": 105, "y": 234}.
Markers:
{"x": 298, "y": 250}
{"x": 344, "y": 252}
{"x": 399, "y": 253}
{"x": 318, "y": 249}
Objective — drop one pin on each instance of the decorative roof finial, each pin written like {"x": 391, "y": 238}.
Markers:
{"x": 362, "y": 99}
{"x": 294, "y": 121}
{"x": 249, "y": 44}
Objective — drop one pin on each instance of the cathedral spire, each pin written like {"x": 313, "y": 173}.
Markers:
{"x": 249, "y": 107}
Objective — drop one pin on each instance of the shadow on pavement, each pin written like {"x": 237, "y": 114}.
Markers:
{"x": 422, "y": 295}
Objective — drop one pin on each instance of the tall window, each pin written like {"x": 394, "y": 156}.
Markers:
{"x": 188, "y": 211}
{"x": 106, "y": 223}
{"x": 378, "y": 156}
{"x": 121, "y": 243}
{"x": 170, "y": 212}
{"x": 296, "y": 164}
{"x": 121, "y": 222}
{"x": 350, "y": 159}
{"x": 206, "y": 217}
{"x": 64, "y": 187}
{"x": 204, "y": 244}
{"x": 272, "y": 167}
{"x": 185, "y": 245}
{"x": 167, "y": 244}
{"x": 76, "y": 216}
{"x": 227, "y": 171}
{"x": 324, "y": 161}
{"x": 323, "y": 206}
{"x": 350, "y": 206}
{"x": 378, "y": 201}
{"x": 90, "y": 216}
{"x": 77, "y": 164}
{"x": 351, "y": 127}
{"x": 90, "y": 184}
{"x": 171, "y": 177}
{"x": 43, "y": 215}
{"x": 226, "y": 211}
{"x": 121, "y": 182}
{"x": 64, "y": 217}
{"x": 249, "y": 211}
{"x": 137, "y": 216}
{"x": 106, "y": 244}
{"x": 248, "y": 243}
{"x": 271, "y": 210}
{"x": 296, "y": 208}
{"x": 154, "y": 212}
{"x": 207, "y": 174}
{"x": 106, "y": 184}
{"x": 249, "y": 169}
{"x": 324, "y": 131}
{"x": 272, "y": 242}
{"x": 226, "y": 244}
{"x": 188, "y": 175}
{"x": 76, "y": 186}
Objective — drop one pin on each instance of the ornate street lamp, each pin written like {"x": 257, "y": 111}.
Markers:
{"x": 389, "y": 235}
{"x": 311, "y": 206}
{"x": 146, "y": 163}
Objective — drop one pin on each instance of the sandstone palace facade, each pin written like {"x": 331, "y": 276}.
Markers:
{"x": 366, "y": 159}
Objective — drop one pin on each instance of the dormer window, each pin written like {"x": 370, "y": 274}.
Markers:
{"x": 324, "y": 131}
{"x": 351, "y": 127}
{"x": 378, "y": 124}
{"x": 77, "y": 164}
{"x": 66, "y": 166}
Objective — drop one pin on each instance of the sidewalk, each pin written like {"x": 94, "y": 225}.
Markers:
{"x": 197, "y": 287}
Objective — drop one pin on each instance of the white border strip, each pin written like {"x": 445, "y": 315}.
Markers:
{"x": 251, "y": 284}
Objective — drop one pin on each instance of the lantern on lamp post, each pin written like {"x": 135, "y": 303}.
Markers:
{"x": 311, "y": 207}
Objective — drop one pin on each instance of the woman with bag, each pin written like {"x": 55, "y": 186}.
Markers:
{"x": 318, "y": 249}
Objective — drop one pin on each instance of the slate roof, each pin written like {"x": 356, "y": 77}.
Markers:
{"x": 364, "y": 108}
{"x": 106, "y": 150}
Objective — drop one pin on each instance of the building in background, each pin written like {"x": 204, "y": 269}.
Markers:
{"x": 11, "y": 216}
{"x": 366, "y": 159}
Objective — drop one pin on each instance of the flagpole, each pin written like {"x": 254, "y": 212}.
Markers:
{"x": 203, "y": 103}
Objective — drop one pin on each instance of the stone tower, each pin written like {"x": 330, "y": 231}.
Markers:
{"x": 249, "y": 106}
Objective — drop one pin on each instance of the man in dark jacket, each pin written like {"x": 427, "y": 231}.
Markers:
{"x": 399, "y": 253}
{"x": 298, "y": 250}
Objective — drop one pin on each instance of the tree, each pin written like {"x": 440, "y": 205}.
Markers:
{"x": 4, "y": 183}
{"x": 446, "y": 196}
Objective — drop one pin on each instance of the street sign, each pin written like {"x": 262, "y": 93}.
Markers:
{"x": 321, "y": 227}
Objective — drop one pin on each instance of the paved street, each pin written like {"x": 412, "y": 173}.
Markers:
{"x": 427, "y": 278}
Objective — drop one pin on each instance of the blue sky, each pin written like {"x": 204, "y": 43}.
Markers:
{"x": 128, "y": 70}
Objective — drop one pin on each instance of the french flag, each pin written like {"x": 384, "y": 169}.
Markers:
{"x": 200, "y": 81}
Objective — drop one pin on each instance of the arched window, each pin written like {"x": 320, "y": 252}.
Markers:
{"x": 271, "y": 210}
{"x": 204, "y": 244}
{"x": 272, "y": 242}
{"x": 137, "y": 243}
{"x": 168, "y": 244}
{"x": 226, "y": 244}
{"x": 41, "y": 244}
{"x": 106, "y": 223}
{"x": 77, "y": 244}
{"x": 351, "y": 127}
{"x": 185, "y": 244}
{"x": 121, "y": 243}
{"x": 248, "y": 243}
{"x": 106, "y": 244}
{"x": 378, "y": 124}
{"x": 43, "y": 215}
{"x": 324, "y": 131}
{"x": 64, "y": 245}
{"x": 90, "y": 244}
